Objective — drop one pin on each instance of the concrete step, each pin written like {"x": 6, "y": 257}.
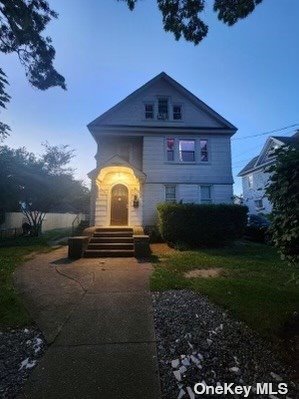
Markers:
{"x": 113, "y": 229}
{"x": 105, "y": 253}
{"x": 113, "y": 234}
{"x": 103, "y": 240}
{"x": 111, "y": 245}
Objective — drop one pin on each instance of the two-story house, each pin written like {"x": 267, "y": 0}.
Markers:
{"x": 161, "y": 143}
{"x": 255, "y": 176}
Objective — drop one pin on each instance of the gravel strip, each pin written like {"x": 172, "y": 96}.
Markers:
{"x": 19, "y": 353}
{"x": 198, "y": 342}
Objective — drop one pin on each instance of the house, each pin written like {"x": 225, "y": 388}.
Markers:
{"x": 255, "y": 176}
{"x": 161, "y": 143}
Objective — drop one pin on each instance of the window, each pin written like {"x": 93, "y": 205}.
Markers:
{"x": 163, "y": 108}
{"x": 250, "y": 181}
{"x": 259, "y": 203}
{"x": 177, "y": 112}
{"x": 170, "y": 149}
{"x": 187, "y": 150}
{"x": 205, "y": 194}
{"x": 204, "y": 156}
{"x": 149, "y": 111}
{"x": 170, "y": 194}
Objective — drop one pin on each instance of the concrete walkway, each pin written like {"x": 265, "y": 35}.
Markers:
{"x": 97, "y": 316}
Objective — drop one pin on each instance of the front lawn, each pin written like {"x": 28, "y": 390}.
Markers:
{"x": 13, "y": 252}
{"x": 254, "y": 284}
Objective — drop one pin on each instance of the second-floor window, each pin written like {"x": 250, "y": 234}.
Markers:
{"x": 187, "y": 150}
{"x": 204, "y": 155}
{"x": 170, "y": 149}
{"x": 250, "y": 181}
{"x": 162, "y": 108}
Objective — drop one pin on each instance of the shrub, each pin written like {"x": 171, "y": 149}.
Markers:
{"x": 196, "y": 225}
{"x": 283, "y": 192}
{"x": 153, "y": 233}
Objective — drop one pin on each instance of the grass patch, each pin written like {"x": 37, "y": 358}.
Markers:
{"x": 256, "y": 286}
{"x": 13, "y": 252}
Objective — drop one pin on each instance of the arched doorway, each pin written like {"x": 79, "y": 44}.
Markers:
{"x": 119, "y": 205}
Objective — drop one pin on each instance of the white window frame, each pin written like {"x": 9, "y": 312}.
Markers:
{"x": 174, "y": 199}
{"x": 181, "y": 111}
{"x": 153, "y": 105}
{"x": 197, "y": 149}
{"x": 179, "y": 153}
{"x": 168, "y": 105}
{"x": 206, "y": 200}
{"x": 250, "y": 181}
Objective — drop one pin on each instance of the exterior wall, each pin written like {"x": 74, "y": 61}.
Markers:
{"x": 187, "y": 193}
{"x": 216, "y": 171}
{"x": 132, "y": 112}
{"x": 110, "y": 146}
{"x": 51, "y": 221}
{"x": 256, "y": 192}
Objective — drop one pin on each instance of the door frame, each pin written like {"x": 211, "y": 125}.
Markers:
{"x": 109, "y": 203}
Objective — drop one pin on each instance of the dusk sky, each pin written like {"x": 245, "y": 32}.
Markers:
{"x": 248, "y": 73}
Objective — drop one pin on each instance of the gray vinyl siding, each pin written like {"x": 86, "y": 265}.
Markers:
{"x": 216, "y": 171}
{"x": 132, "y": 112}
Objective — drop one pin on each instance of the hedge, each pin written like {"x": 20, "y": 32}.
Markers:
{"x": 206, "y": 225}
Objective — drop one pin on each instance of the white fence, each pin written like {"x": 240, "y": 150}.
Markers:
{"x": 14, "y": 220}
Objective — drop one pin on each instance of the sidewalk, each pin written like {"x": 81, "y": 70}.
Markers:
{"x": 97, "y": 315}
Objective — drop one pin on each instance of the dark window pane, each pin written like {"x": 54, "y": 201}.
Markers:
{"x": 170, "y": 149}
{"x": 177, "y": 112}
{"x": 149, "y": 111}
{"x": 204, "y": 156}
{"x": 163, "y": 108}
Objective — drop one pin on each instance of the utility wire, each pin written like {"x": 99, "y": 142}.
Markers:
{"x": 264, "y": 133}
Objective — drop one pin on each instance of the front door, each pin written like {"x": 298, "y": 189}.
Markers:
{"x": 119, "y": 205}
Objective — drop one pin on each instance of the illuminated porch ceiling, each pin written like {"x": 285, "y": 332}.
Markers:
{"x": 117, "y": 166}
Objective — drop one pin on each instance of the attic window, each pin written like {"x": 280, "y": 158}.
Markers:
{"x": 163, "y": 108}
{"x": 271, "y": 152}
{"x": 177, "y": 112}
{"x": 149, "y": 111}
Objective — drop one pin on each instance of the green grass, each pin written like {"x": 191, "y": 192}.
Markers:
{"x": 13, "y": 252}
{"x": 256, "y": 286}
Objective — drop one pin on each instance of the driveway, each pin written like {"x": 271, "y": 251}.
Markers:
{"x": 97, "y": 316}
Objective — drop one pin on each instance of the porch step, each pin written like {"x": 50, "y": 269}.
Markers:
{"x": 111, "y": 242}
{"x": 115, "y": 233}
{"x": 104, "y": 240}
{"x": 105, "y": 253}
{"x": 113, "y": 229}
{"x": 111, "y": 245}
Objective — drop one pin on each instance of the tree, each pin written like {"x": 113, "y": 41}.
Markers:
{"x": 283, "y": 192}
{"x": 181, "y": 17}
{"x": 27, "y": 182}
{"x": 21, "y": 25}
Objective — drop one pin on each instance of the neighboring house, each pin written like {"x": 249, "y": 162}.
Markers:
{"x": 255, "y": 176}
{"x": 161, "y": 143}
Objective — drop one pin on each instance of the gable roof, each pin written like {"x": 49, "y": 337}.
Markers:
{"x": 255, "y": 162}
{"x": 186, "y": 93}
{"x": 249, "y": 166}
{"x": 116, "y": 160}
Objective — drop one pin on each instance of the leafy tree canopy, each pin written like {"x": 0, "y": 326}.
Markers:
{"x": 21, "y": 25}
{"x": 283, "y": 192}
{"x": 182, "y": 17}
{"x": 38, "y": 185}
